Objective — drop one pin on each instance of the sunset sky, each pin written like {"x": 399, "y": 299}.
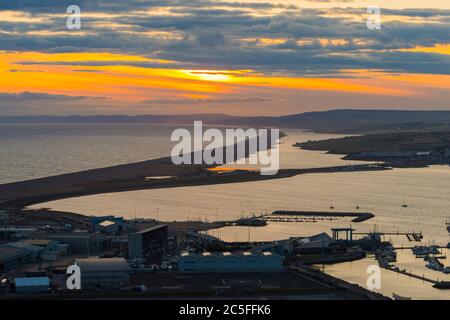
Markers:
{"x": 244, "y": 57}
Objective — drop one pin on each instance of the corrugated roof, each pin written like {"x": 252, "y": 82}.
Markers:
{"x": 32, "y": 282}
{"x": 102, "y": 264}
{"x": 226, "y": 254}
{"x": 26, "y": 246}
{"x": 37, "y": 242}
{"x": 153, "y": 228}
{"x": 7, "y": 252}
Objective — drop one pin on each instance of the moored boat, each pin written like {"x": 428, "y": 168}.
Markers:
{"x": 399, "y": 297}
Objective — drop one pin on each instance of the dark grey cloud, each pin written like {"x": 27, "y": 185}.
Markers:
{"x": 211, "y": 34}
{"x": 35, "y": 96}
{"x": 52, "y": 6}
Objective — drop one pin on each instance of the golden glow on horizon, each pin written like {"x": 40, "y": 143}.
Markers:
{"x": 59, "y": 74}
{"x": 208, "y": 75}
{"x": 439, "y": 48}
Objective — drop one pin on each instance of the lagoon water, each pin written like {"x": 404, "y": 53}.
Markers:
{"x": 425, "y": 190}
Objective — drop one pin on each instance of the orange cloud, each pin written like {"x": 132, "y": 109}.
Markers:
{"x": 43, "y": 72}
{"x": 438, "y": 48}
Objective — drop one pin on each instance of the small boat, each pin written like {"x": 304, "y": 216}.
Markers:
{"x": 434, "y": 249}
{"x": 442, "y": 285}
{"x": 404, "y": 205}
{"x": 435, "y": 264}
{"x": 399, "y": 297}
{"x": 420, "y": 251}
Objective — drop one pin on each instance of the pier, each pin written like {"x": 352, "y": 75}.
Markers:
{"x": 411, "y": 236}
{"x": 383, "y": 263}
{"x": 412, "y": 275}
{"x": 358, "y": 216}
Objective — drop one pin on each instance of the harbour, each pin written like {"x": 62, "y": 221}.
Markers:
{"x": 301, "y": 210}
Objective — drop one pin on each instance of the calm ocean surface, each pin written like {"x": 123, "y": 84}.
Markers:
{"x": 36, "y": 151}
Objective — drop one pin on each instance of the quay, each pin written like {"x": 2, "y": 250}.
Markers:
{"x": 411, "y": 236}
{"x": 410, "y": 248}
{"x": 387, "y": 266}
{"x": 358, "y": 216}
{"x": 412, "y": 275}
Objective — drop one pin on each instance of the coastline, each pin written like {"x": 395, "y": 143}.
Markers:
{"x": 138, "y": 176}
{"x": 19, "y": 195}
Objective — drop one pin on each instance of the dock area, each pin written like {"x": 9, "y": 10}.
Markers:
{"x": 411, "y": 236}
{"x": 412, "y": 275}
{"x": 436, "y": 283}
{"x": 293, "y": 215}
{"x": 388, "y": 255}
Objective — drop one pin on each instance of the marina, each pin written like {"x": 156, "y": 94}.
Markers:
{"x": 293, "y": 215}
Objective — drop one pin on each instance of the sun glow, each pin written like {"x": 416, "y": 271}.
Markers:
{"x": 128, "y": 78}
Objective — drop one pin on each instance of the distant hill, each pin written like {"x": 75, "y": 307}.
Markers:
{"x": 116, "y": 118}
{"x": 363, "y": 121}
{"x": 400, "y": 149}
{"x": 333, "y": 121}
{"x": 382, "y": 143}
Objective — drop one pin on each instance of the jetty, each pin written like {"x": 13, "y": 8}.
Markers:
{"x": 436, "y": 283}
{"x": 293, "y": 215}
{"x": 411, "y": 236}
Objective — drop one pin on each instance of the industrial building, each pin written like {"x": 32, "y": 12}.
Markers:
{"x": 79, "y": 242}
{"x": 15, "y": 233}
{"x": 229, "y": 262}
{"x": 283, "y": 248}
{"x": 103, "y": 272}
{"x": 314, "y": 244}
{"x": 32, "y": 285}
{"x": 34, "y": 253}
{"x": 108, "y": 224}
{"x": 149, "y": 242}
{"x": 47, "y": 244}
{"x": 14, "y": 254}
{"x": 11, "y": 257}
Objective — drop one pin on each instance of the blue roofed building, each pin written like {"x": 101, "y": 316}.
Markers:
{"x": 32, "y": 284}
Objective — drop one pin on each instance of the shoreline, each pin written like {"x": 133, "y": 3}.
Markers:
{"x": 138, "y": 176}
{"x": 20, "y": 195}
{"x": 398, "y": 150}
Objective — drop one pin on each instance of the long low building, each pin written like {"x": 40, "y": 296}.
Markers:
{"x": 229, "y": 262}
{"x": 103, "y": 272}
{"x": 84, "y": 243}
{"x": 32, "y": 285}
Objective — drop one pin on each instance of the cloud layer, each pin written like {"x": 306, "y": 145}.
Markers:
{"x": 262, "y": 36}
{"x": 174, "y": 53}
